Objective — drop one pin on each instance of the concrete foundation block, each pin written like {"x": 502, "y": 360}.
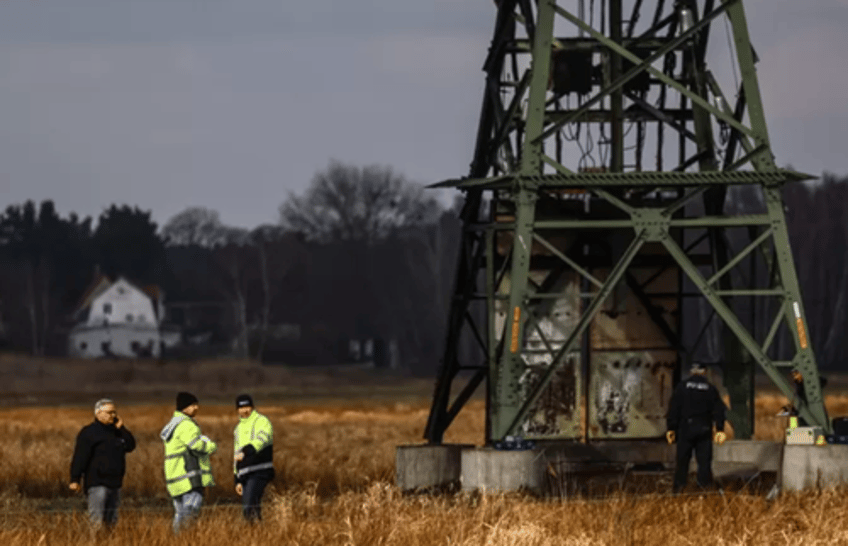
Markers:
{"x": 428, "y": 466}
{"x": 763, "y": 455}
{"x": 814, "y": 467}
{"x": 493, "y": 471}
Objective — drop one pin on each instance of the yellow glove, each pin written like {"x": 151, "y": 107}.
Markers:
{"x": 720, "y": 437}
{"x": 670, "y": 436}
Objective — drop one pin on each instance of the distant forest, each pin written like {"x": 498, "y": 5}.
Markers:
{"x": 361, "y": 254}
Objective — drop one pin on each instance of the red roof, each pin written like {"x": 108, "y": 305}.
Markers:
{"x": 98, "y": 285}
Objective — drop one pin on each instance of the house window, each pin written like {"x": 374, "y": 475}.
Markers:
{"x": 107, "y": 308}
{"x": 121, "y": 290}
{"x": 129, "y": 317}
{"x": 83, "y": 346}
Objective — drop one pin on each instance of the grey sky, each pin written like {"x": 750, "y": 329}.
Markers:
{"x": 230, "y": 104}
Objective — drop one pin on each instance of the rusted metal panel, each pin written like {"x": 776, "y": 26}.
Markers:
{"x": 625, "y": 393}
{"x": 624, "y": 323}
{"x": 628, "y": 393}
{"x": 559, "y": 411}
{"x": 632, "y": 361}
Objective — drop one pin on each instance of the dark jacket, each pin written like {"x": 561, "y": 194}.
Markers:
{"x": 695, "y": 405}
{"x": 99, "y": 455}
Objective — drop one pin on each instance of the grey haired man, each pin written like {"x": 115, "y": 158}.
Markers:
{"x": 99, "y": 462}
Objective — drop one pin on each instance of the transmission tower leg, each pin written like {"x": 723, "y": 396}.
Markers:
{"x": 507, "y": 370}
{"x": 793, "y": 307}
{"x": 738, "y": 380}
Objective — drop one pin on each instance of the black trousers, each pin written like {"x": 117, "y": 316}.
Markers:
{"x": 702, "y": 445}
{"x": 251, "y": 498}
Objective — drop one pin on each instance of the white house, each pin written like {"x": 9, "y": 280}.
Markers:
{"x": 117, "y": 319}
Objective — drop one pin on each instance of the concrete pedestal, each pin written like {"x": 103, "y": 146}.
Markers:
{"x": 745, "y": 459}
{"x": 494, "y": 471}
{"x": 428, "y": 466}
{"x": 759, "y": 453}
{"x": 799, "y": 467}
{"x": 814, "y": 467}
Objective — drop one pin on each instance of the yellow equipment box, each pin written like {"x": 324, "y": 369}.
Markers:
{"x": 803, "y": 436}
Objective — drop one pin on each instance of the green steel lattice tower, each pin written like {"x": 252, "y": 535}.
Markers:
{"x": 622, "y": 183}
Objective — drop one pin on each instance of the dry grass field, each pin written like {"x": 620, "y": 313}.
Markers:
{"x": 335, "y": 461}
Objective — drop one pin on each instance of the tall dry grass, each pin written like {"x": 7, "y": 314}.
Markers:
{"x": 335, "y": 462}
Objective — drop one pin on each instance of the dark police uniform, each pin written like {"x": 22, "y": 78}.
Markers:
{"x": 695, "y": 405}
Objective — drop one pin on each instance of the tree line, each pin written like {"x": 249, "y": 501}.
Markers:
{"x": 361, "y": 254}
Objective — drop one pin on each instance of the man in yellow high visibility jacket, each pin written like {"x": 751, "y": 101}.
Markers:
{"x": 187, "y": 467}
{"x": 253, "y": 459}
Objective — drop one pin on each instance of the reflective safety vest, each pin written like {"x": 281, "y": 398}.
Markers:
{"x": 187, "y": 452}
{"x": 254, "y": 436}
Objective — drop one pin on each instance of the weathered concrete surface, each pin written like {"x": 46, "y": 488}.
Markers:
{"x": 493, "y": 471}
{"x": 610, "y": 451}
{"x": 763, "y": 455}
{"x": 428, "y": 466}
{"x": 814, "y": 467}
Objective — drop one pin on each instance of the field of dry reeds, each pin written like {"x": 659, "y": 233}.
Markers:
{"x": 335, "y": 466}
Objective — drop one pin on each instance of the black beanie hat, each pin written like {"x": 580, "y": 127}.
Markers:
{"x": 184, "y": 400}
{"x": 244, "y": 400}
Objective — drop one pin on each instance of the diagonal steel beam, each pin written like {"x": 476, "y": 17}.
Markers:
{"x": 615, "y": 276}
{"x": 737, "y": 114}
{"x": 561, "y": 255}
{"x": 775, "y": 326}
{"x": 463, "y": 396}
{"x": 505, "y": 121}
{"x": 654, "y": 314}
{"x": 646, "y": 64}
{"x": 674, "y": 207}
{"x": 736, "y": 326}
{"x": 741, "y": 256}
{"x": 556, "y": 165}
{"x": 613, "y": 200}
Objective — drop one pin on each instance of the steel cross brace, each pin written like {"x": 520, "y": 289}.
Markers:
{"x": 814, "y": 412}
{"x": 653, "y": 224}
{"x": 646, "y": 64}
{"x": 603, "y": 292}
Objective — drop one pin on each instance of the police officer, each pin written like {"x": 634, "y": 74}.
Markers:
{"x": 187, "y": 467}
{"x": 695, "y": 405}
{"x": 253, "y": 457}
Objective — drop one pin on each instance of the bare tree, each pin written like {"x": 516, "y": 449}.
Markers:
{"x": 233, "y": 279}
{"x": 276, "y": 253}
{"x": 363, "y": 204}
{"x": 195, "y": 226}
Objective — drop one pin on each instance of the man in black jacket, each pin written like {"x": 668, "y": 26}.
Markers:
{"x": 253, "y": 459}
{"x": 695, "y": 405}
{"x": 99, "y": 456}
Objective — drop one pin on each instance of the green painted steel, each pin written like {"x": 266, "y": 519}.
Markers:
{"x": 578, "y": 261}
{"x": 659, "y": 179}
{"x": 507, "y": 371}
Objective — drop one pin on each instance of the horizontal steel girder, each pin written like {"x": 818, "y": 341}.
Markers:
{"x": 648, "y": 179}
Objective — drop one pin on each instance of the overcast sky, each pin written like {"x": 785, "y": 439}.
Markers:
{"x": 231, "y": 104}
